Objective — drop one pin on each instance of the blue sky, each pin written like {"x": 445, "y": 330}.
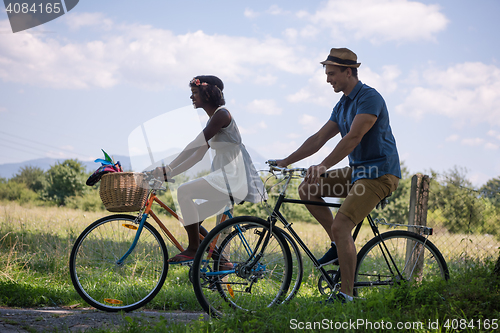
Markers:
{"x": 86, "y": 80}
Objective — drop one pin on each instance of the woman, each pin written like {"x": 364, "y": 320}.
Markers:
{"x": 232, "y": 179}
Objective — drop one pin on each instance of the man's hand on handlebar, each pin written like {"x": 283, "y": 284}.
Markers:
{"x": 314, "y": 173}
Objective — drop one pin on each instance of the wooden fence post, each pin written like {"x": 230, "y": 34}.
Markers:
{"x": 419, "y": 196}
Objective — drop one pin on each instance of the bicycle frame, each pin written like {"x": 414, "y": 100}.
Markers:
{"x": 152, "y": 197}
{"x": 276, "y": 215}
{"x": 288, "y": 226}
{"x": 241, "y": 247}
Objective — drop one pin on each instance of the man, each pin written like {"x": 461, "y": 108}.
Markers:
{"x": 362, "y": 119}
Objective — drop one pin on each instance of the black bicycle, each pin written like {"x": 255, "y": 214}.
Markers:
{"x": 249, "y": 263}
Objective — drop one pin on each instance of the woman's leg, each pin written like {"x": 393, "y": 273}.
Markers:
{"x": 193, "y": 214}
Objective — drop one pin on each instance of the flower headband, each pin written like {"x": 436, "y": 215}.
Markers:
{"x": 198, "y": 83}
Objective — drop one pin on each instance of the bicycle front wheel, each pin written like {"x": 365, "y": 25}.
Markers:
{"x": 105, "y": 283}
{"x": 231, "y": 271}
{"x": 403, "y": 256}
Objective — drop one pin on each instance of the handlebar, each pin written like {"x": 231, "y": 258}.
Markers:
{"x": 150, "y": 177}
{"x": 274, "y": 167}
{"x": 154, "y": 182}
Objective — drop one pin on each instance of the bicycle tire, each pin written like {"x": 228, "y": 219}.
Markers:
{"x": 241, "y": 288}
{"x": 297, "y": 266}
{"x": 111, "y": 287}
{"x": 374, "y": 268}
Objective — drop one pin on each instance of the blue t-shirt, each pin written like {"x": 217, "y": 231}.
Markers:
{"x": 376, "y": 155}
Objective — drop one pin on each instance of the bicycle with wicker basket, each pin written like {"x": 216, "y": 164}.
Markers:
{"x": 120, "y": 262}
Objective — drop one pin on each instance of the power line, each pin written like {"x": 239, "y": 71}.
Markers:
{"x": 39, "y": 143}
{"x": 18, "y": 149}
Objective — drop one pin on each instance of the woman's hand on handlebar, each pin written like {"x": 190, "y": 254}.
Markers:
{"x": 281, "y": 163}
{"x": 159, "y": 174}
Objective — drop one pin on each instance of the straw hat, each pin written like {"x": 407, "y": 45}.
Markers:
{"x": 342, "y": 57}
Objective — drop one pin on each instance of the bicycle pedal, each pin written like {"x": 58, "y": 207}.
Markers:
{"x": 187, "y": 263}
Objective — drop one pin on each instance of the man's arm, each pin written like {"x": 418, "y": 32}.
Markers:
{"x": 360, "y": 126}
{"x": 312, "y": 144}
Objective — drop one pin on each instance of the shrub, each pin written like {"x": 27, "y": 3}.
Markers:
{"x": 89, "y": 202}
{"x": 19, "y": 192}
{"x": 65, "y": 180}
{"x": 33, "y": 177}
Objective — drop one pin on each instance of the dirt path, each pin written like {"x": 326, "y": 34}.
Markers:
{"x": 78, "y": 320}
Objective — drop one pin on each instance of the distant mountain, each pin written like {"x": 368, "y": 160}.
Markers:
{"x": 9, "y": 170}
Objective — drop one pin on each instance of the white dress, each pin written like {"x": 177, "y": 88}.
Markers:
{"x": 232, "y": 171}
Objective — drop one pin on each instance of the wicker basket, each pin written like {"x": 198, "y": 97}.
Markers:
{"x": 119, "y": 191}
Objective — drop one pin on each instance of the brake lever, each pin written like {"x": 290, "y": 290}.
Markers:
{"x": 150, "y": 176}
{"x": 272, "y": 162}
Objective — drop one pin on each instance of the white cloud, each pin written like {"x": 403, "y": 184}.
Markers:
{"x": 291, "y": 34}
{"x": 310, "y": 123}
{"x": 494, "y": 134}
{"x": 317, "y": 91}
{"x": 478, "y": 178}
{"x": 467, "y": 93}
{"x": 252, "y": 129}
{"x": 320, "y": 92}
{"x": 272, "y": 10}
{"x": 309, "y": 31}
{"x": 250, "y": 13}
{"x": 141, "y": 55}
{"x": 275, "y": 10}
{"x": 264, "y": 106}
{"x": 293, "y": 135}
{"x": 266, "y": 79}
{"x": 473, "y": 141}
{"x": 77, "y": 21}
{"x": 384, "y": 82}
{"x": 452, "y": 138}
{"x": 3, "y": 109}
{"x": 278, "y": 149}
{"x": 379, "y": 20}
{"x": 490, "y": 146}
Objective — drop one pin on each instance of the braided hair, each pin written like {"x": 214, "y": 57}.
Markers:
{"x": 210, "y": 88}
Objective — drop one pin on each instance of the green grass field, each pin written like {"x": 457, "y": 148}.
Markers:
{"x": 35, "y": 244}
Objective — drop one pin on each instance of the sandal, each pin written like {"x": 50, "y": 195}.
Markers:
{"x": 184, "y": 259}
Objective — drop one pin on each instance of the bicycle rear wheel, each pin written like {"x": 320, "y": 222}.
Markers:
{"x": 403, "y": 256}
{"x": 229, "y": 273}
{"x": 107, "y": 285}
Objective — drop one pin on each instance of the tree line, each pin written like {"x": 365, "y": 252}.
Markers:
{"x": 55, "y": 186}
{"x": 453, "y": 204}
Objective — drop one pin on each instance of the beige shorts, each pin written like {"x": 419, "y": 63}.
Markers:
{"x": 360, "y": 197}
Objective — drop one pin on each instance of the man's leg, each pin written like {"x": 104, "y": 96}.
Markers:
{"x": 341, "y": 229}
{"x": 322, "y": 214}
{"x": 363, "y": 197}
{"x": 335, "y": 185}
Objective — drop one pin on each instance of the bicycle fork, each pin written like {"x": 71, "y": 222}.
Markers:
{"x": 120, "y": 261}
